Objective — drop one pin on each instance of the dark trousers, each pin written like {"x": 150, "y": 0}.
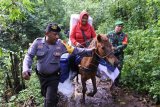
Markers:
{"x": 49, "y": 88}
{"x": 51, "y": 98}
{"x": 120, "y": 57}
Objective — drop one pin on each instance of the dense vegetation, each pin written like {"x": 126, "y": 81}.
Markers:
{"x": 21, "y": 21}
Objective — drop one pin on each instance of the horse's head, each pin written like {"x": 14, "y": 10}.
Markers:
{"x": 104, "y": 49}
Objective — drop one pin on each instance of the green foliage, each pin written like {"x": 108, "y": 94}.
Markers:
{"x": 32, "y": 90}
{"x": 16, "y": 9}
{"x": 1, "y": 52}
{"x": 15, "y": 15}
{"x": 4, "y": 67}
{"x": 21, "y": 21}
{"x": 137, "y": 14}
{"x": 142, "y": 59}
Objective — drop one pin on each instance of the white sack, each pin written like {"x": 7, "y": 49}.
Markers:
{"x": 105, "y": 73}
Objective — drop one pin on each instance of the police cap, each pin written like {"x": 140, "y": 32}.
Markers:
{"x": 53, "y": 27}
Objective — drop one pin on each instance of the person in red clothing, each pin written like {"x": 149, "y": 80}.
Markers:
{"x": 83, "y": 32}
{"x": 81, "y": 35}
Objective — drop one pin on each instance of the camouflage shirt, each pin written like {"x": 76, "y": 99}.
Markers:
{"x": 119, "y": 41}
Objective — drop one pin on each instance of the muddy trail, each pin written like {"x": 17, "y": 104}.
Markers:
{"x": 117, "y": 97}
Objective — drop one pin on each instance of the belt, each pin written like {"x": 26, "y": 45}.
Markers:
{"x": 56, "y": 73}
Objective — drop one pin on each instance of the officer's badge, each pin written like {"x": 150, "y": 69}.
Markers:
{"x": 54, "y": 27}
{"x": 40, "y": 46}
{"x": 58, "y": 47}
{"x": 56, "y": 53}
{"x": 40, "y": 53}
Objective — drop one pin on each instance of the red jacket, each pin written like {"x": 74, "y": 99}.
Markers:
{"x": 76, "y": 33}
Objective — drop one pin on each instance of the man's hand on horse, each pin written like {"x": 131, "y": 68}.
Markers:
{"x": 93, "y": 48}
{"x": 68, "y": 47}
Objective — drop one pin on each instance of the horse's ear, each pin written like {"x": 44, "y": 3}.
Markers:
{"x": 99, "y": 38}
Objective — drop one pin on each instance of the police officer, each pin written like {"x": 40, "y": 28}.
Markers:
{"x": 48, "y": 51}
{"x": 119, "y": 41}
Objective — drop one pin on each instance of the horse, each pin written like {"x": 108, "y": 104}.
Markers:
{"x": 88, "y": 65}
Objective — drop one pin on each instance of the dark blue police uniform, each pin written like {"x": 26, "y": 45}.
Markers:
{"x": 48, "y": 66}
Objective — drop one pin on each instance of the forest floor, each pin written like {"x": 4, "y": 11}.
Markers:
{"x": 105, "y": 97}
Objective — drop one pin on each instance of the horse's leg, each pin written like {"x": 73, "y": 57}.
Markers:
{"x": 91, "y": 94}
{"x": 83, "y": 90}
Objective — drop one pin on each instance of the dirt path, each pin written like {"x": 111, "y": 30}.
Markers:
{"x": 118, "y": 97}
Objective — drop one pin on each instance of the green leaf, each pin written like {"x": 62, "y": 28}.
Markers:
{"x": 0, "y": 52}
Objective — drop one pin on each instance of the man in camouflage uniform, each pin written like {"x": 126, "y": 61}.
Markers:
{"x": 48, "y": 51}
{"x": 119, "y": 41}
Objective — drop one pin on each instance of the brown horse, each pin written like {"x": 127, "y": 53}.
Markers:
{"x": 88, "y": 66}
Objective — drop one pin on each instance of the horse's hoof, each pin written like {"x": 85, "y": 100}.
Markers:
{"x": 82, "y": 101}
{"x": 90, "y": 94}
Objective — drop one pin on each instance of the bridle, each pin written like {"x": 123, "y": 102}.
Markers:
{"x": 99, "y": 56}
{"x": 105, "y": 56}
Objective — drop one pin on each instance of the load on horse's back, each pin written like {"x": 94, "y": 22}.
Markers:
{"x": 81, "y": 34}
{"x": 69, "y": 62}
{"x": 88, "y": 65}
{"x": 74, "y": 19}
